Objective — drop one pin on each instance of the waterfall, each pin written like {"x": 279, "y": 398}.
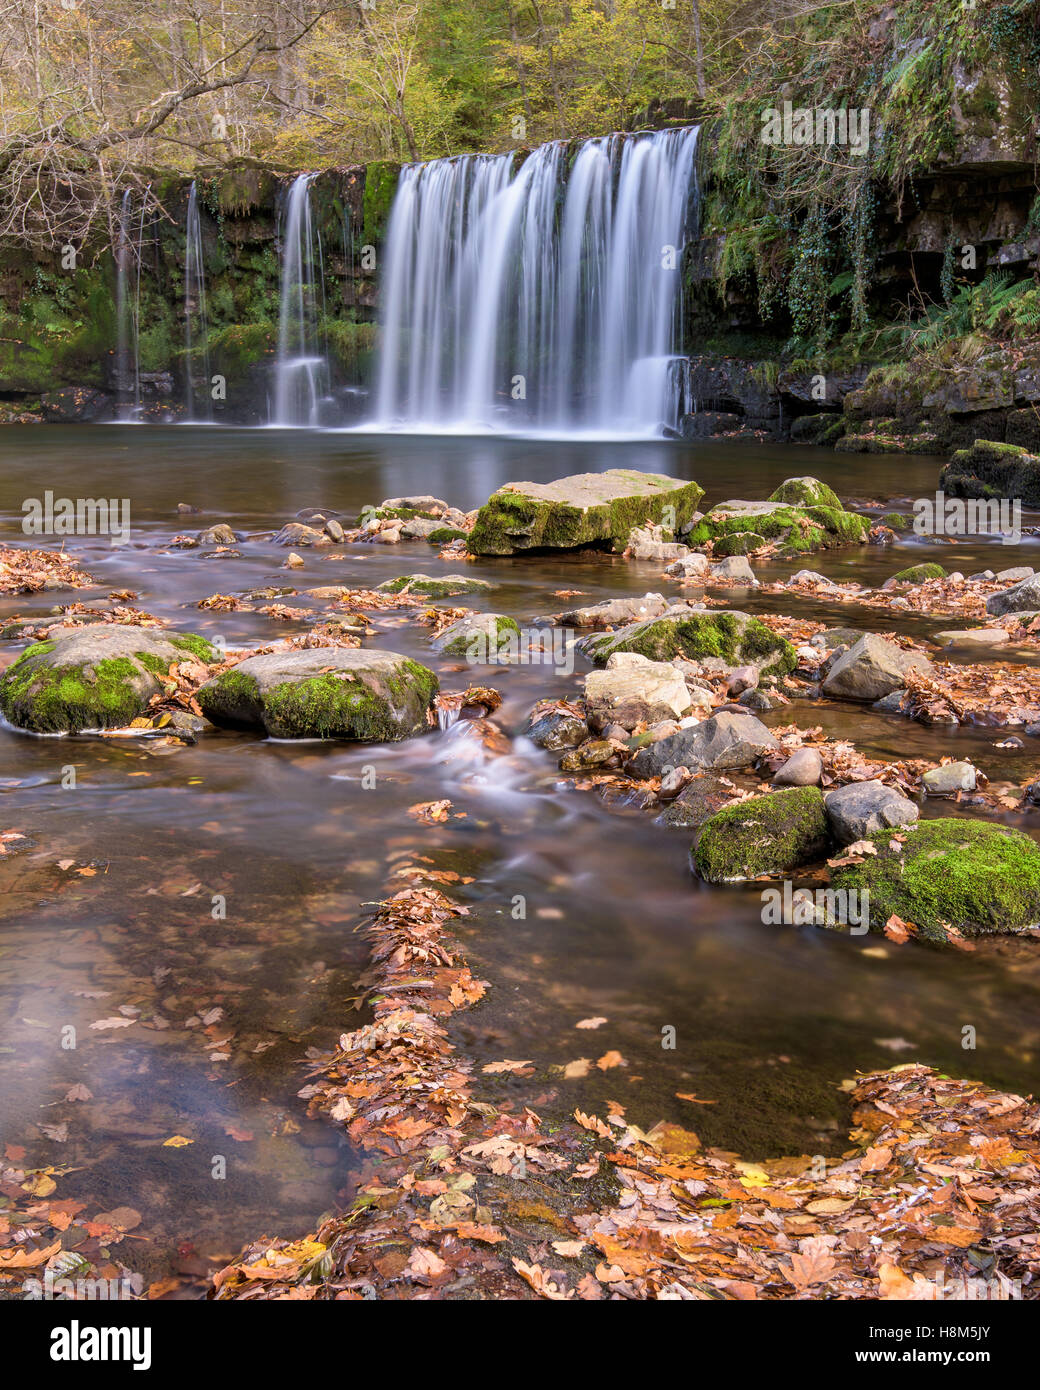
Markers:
{"x": 542, "y": 295}
{"x": 301, "y": 373}
{"x": 127, "y": 379}
{"x": 194, "y": 308}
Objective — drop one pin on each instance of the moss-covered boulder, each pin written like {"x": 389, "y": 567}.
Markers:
{"x": 806, "y": 492}
{"x": 324, "y": 692}
{"x": 917, "y": 574}
{"x": 735, "y": 638}
{"x": 989, "y": 469}
{"x": 802, "y": 515}
{"x": 588, "y": 509}
{"x": 763, "y": 835}
{"x": 479, "y": 637}
{"x": 434, "y": 586}
{"x": 96, "y": 677}
{"x": 972, "y": 875}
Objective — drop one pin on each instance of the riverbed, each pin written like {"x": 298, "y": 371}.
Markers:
{"x": 107, "y": 909}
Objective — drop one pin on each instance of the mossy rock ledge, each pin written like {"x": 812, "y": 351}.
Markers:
{"x": 801, "y": 516}
{"x": 434, "y": 586}
{"x": 972, "y": 875}
{"x": 736, "y": 638}
{"x": 96, "y": 677}
{"x": 763, "y": 835}
{"x": 324, "y": 692}
{"x": 588, "y": 509}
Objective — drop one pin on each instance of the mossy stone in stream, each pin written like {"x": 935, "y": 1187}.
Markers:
{"x": 806, "y": 492}
{"x": 743, "y": 543}
{"x": 324, "y": 692}
{"x": 732, "y": 637}
{"x": 478, "y": 636}
{"x": 445, "y": 534}
{"x": 917, "y": 574}
{"x": 100, "y": 676}
{"x": 763, "y": 835}
{"x": 973, "y": 875}
{"x": 896, "y": 521}
{"x": 430, "y": 586}
{"x": 588, "y": 509}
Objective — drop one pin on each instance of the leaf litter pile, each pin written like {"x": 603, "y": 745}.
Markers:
{"x": 459, "y": 1197}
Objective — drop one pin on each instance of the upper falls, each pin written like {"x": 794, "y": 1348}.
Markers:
{"x": 541, "y": 295}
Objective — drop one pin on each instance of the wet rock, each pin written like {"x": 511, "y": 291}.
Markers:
{"x": 806, "y": 492}
{"x": 690, "y": 566}
{"x": 736, "y": 639}
{"x": 756, "y": 700}
{"x": 975, "y": 876}
{"x": 420, "y": 528}
{"x": 871, "y": 669}
{"x": 916, "y": 574}
{"x": 1016, "y": 574}
{"x": 863, "y": 808}
{"x": 699, "y": 799}
{"x": 651, "y": 543}
{"x": 763, "y": 835}
{"x": 951, "y": 777}
{"x": 434, "y": 586}
{"x": 981, "y": 637}
{"x": 615, "y": 611}
{"x": 293, "y": 561}
{"x": 478, "y": 636}
{"x": 1033, "y": 793}
{"x": 724, "y": 741}
{"x": 797, "y": 527}
{"x": 734, "y": 569}
{"x": 221, "y": 534}
{"x": 633, "y": 690}
{"x": 1020, "y": 598}
{"x": 421, "y": 503}
{"x": 96, "y": 677}
{"x": 743, "y": 678}
{"x": 812, "y": 577}
{"x": 324, "y": 692}
{"x": 590, "y": 755}
{"x": 992, "y": 470}
{"x": 186, "y": 509}
{"x": 556, "y": 731}
{"x": 296, "y": 533}
{"x": 334, "y": 531}
{"x": 804, "y": 768}
{"x": 586, "y": 509}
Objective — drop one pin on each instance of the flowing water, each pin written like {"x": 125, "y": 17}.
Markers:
{"x": 128, "y": 302}
{"x": 108, "y": 906}
{"x": 196, "y": 323}
{"x": 543, "y": 295}
{"x": 301, "y": 369}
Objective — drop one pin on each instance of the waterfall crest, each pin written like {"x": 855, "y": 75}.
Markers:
{"x": 542, "y": 295}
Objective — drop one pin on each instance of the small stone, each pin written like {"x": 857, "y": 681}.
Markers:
{"x": 743, "y": 678}
{"x": 864, "y": 808}
{"x": 951, "y": 777}
{"x": 872, "y": 669}
{"x": 334, "y": 530}
{"x": 293, "y": 561}
{"x": 735, "y": 568}
{"x": 974, "y": 637}
{"x": 221, "y": 534}
{"x": 804, "y": 768}
{"x": 1016, "y": 573}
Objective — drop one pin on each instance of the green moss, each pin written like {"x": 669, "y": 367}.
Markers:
{"x": 763, "y": 835}
{"x": 445, "y": 534}
{"x": 972, "y": 875}
{"x": 198, "y": 646}
{"x": 798, "y": 530}
{"x": 433, "y": 588}
{"x": 806, "y": 492}
{"x": 896, "y": 521}
{"x": 380, "y": 186}
{"x": 236, "y": 687}
{"x": 743, "y": 543}
{"x": 466, "y": 641}
{"x": 510, "y": 521}
{"x": 917, "y": 574}
{"x": 59, "y": 699}
{"x": 698, "y": 637}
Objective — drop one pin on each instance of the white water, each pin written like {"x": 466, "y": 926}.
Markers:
{"x": 541, "y": 297}
{"x": 195, "y": 311}
{"x": 128, "y": 359}
{"x": 301, "y": 371}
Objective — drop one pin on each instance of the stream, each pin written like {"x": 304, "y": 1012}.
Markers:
{"x": 107, "y": 912}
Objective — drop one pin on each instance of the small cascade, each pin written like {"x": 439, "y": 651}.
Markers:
{"x": 542, "y": 296}
{"x": 196, "y": 326}
{"x": 127, "y": 380}
{"x": 301, "y": 372}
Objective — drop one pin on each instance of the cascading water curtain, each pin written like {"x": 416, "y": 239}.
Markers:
{"x": 545, "y": 296}
{"x": 195, "y": 314}
{"x": 301, "y": 371}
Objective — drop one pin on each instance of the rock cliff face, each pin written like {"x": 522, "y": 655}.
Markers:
{"x": 60, "y": 358}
